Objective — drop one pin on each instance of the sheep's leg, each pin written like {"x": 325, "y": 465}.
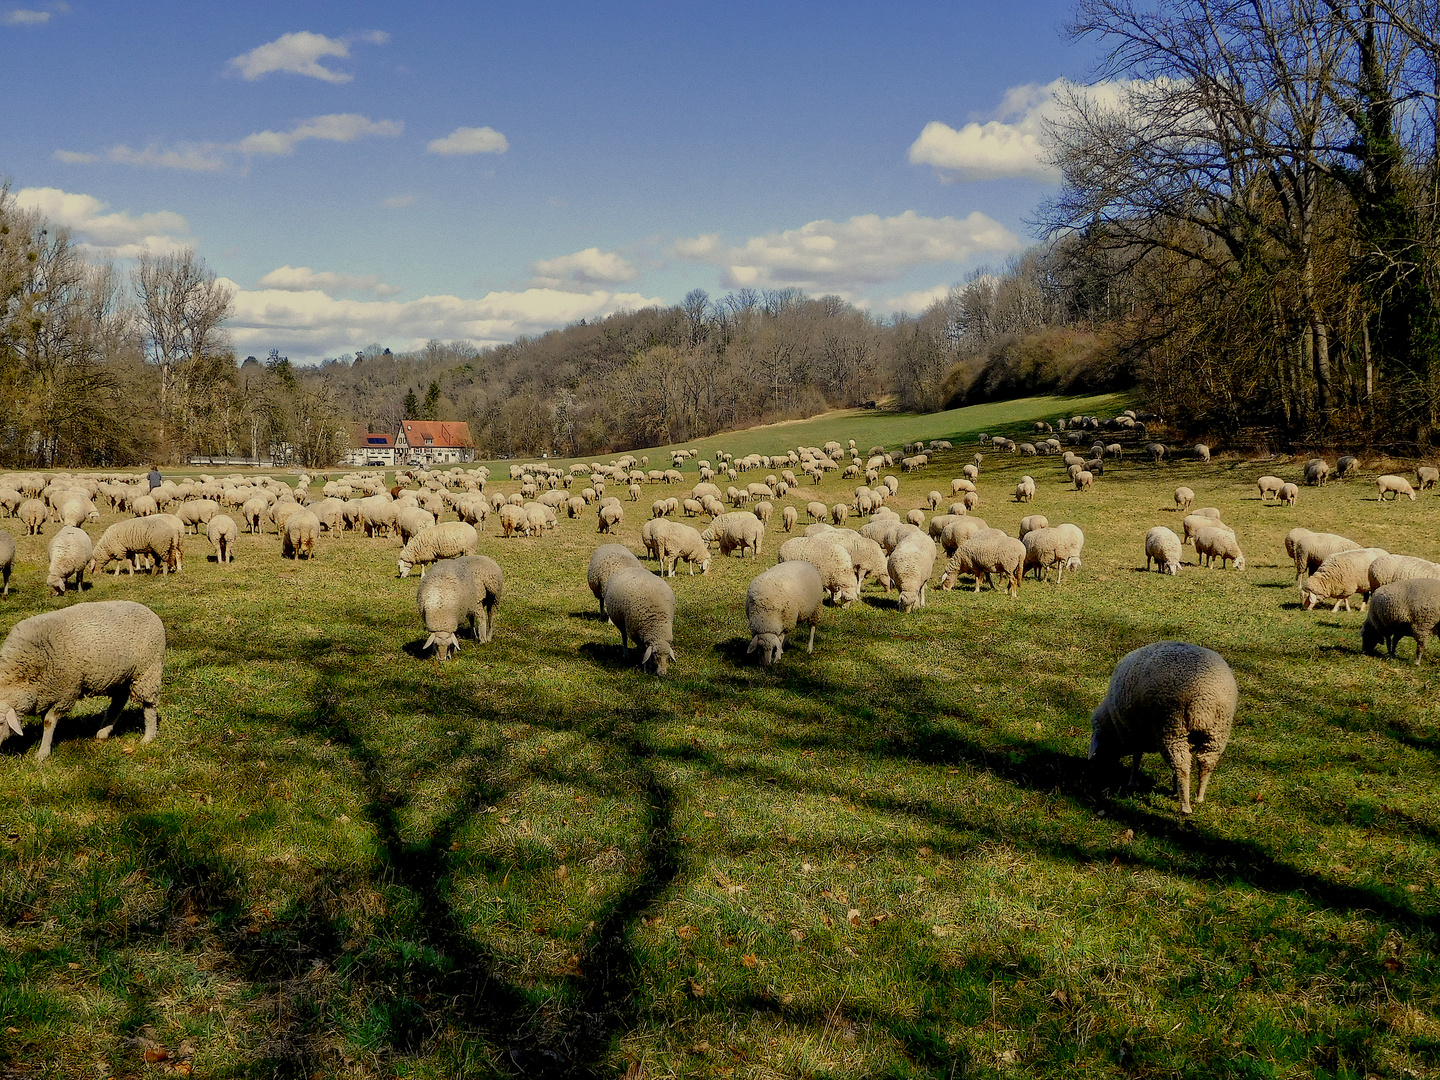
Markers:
{"x": 112, "y": 714}
{"x": 811, "y": 646}
{"x": 1178, "y": 754}
{"x": 50, "y": 718}
{"x": 1207, "y": 760}
{"x": 1420, "y": 638}
{"x": 152, "y": 722}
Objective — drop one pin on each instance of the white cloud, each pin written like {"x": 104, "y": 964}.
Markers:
{"x": 303, "y": 279}
{"x": 116, "y": 235}
{"x": 23, "y": 17}
{"x": 373, "y": 37}
{"x": 910, "y": 303}
{"x": 310, "y": 325}
{"x": 397, "y": 202}
{"x": 70, "y": 157}
{"x": 584, "y": 268}
{"x": 848, "y": 256}
{"x": 187, "y": 157}
{"x": 334, "y": 127}
{"x": 1009, "y": 146}
{"x": 298, "y": 54}
{"x": 469, "y": 140}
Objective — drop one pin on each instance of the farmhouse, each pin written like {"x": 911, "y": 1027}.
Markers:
{"x": 370, "y": 448}
{"x": 434, "y": 441}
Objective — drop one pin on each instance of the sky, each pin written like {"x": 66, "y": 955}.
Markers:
{"x": 377, "y": 173}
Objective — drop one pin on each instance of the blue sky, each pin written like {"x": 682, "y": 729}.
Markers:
{"x": 369, "y": 172}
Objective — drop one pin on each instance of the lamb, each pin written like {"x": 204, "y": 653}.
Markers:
{"x": 302, "y": 531}
{"x": 70, "y": 553}
{"x": 1163, "y": 546}
{"x": 777, "y": 602}
{"x": 32, "y": 514}
{"x": 834, "y": 562}
{"x": 7, "y": 559}
{"x": 457, "y": 592}
{"x": 987, "y": 552}
{"x": 1388, "y": 568}
{"x": 1219, "y": 543}
{"x": 223, "y": 532}
{"x": 677, "y": 542}
{"x": 1059, "y": 547}
{"x": 1340, "y": 577}
{"x": 738, "y": 530}
{"x": 1183, "y": 498}
{"x": 1172, "y": 697}
{"x": 1406, "y": 608}
{"x": 607, "y": 559}
{"x": 1025, "y": 489}
{"x": 127, "y": 540}
{"x": 447, "y": 541}
{"x": 909, "y": 569}
{"x": 1395, "y": 486}
{"x": 642, "y": 606}
{"x": 1310, "y": 549}
{"x": 48, "y": 662}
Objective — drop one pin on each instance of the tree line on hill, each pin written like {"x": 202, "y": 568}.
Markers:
{"x": 1248, "y": 231}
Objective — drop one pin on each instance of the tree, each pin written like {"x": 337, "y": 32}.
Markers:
{"x": 182, "y": 311}
{"x": 432, "y": 402}
{"x": 412, "y": 406}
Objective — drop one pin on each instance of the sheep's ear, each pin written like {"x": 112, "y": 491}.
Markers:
{"x": 12, "y": 721}
{"x": 649, "y": 652}
{"x": 1094, "y": 745}
{"x": 754, "y": 644}
{"x": 430, "y": 643}
{"x": 671, "y": 650}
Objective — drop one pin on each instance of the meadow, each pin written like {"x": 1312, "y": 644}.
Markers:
{"x": 342, "y": 858}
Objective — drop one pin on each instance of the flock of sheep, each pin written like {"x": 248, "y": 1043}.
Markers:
{"x": 1171, "y": 697}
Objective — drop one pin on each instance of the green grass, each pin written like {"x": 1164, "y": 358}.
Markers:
{"x": 881, "y": 859}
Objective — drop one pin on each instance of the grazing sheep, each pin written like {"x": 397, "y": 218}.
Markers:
{"x": 961, "y": 529}
{"x": 789, "y": 516}
{"x": 676, "y": 542}
{"x": 457, "y": 592}
{"x": 70, "y": 552}
{"x": 1032, "y": 522}
{"x": 970, "y": 500}
{"x": 1156, "y": 452}
{"x": 642, "y": 606}
{"x": 971, "y": 472}
{"x": 817, "y": 511}
{"x": 610, "y": 517}
{"x": 1316, "y": 472}
{"x": 987, "y": 552}
{"x": 1084, "y": 480}
{"x": 1289, "y": 494}
{"x": 222, "y": 533}
{"x": 7, "y": 559}
{"x": 1427, "y": 476}
{"x": 1201, "y": 451}
{"x": 1193, "y": 523}
{"x": 867, "y": 557}
{"x": 1388, "y": 568}
{"x": 1395, "y": 486}
{"x": 1218, "y": 543}
{"x": 740, "y": 530}
{"x": 779, "y": 600}
{"x": 301, "y": 533}
{"x": 32, "y": 514}
{"x": 1025, "y": 489}
{"x": 1059, "y": 547}
{"x": 909, "y": 569}
{"x": 838, "y": 513}
{"x": 1406, "y": 608}
{"x": 1183, "y": 498}
{"x": 1163, "y": 546}
{"x": 1340, "y": 577}
{"x": 933, "y": 500}
{"x": 1310, "y": 549}
{"x": 1269, "y": 485}
{"x": 607, "y": 559}
{"x": 1345, "y": 466}
{"x": 411, "y": 521}
{"x": 447, "y": 541}
{"x": 764, "y": 510}
{"x": 1172, "y": 697}
{"x": 834, "y": 562}
{"x": 110, "y": 648}
{"x": 127, "y": 541}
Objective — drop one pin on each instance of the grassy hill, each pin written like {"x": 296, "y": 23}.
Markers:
{"x": 342, "y": 858}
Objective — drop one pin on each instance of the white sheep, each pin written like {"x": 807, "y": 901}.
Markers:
{"x": 1310, "y": 549}
{"x": 605, "y": 560}
{"x": 1394, "y": 486}
{"x": 1220, "y": 543}
{"x": 740, "y": 530}
{"x": 1183, "y": 498}
{"x": 110, "y": 648}
{"x": 642, "y": 607}
{"x": 1388, "y": 568}
{"x": 127, "y": 541}
{"x": 457, "y": 592}
{"x": 1162, "y": 545}
{"x": 834, "y": 562}
{"x": 1317, "y": 471}
{"x": 677, "y": 542}
{"x": 1172, "y": 697}
{"x": 778, "y": 601}
{"x": 1058, "y": 546}
{"x": 1289, "y": 494}
{"x": 909, "y": 568}
{"x": 70, "y": 552}
{"x": 1025, "y": 489}
{"x": 446, "y": 541}
{"x": 1340, "y": 577}
{"x": 7, "y": 559}
{"x": 1268, "y": 486}
{"x": 987, "y": 552}
{"x": 956, "y": 532}
{"x": 300, "y": 535}
{"x": 1405, "y": 608}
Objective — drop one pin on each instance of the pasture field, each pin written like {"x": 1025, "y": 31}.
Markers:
{"x": 343, "y": 859}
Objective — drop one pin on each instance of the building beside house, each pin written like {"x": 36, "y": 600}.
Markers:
{"x": 434, "y": 442}
{"x": 370, "y": 448}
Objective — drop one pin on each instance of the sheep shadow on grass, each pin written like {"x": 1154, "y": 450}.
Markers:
{"x": 589, "y": 616}
{"x": 883, "y": 603}
{"x": 78, "y": 727}
{"x": 610, "y": 654}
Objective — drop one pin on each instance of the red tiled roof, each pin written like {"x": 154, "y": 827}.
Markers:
{"x": 442, "y": 433}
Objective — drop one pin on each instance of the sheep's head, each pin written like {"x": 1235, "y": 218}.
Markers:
{"x": 769, "y": 646}
{"x": 1308, "y": 597}
{"x": 1240, "y": 562}
{"x": 446, "y": 644}
{"x": 909, "y": 601}
{"x": 662, "y": 655}
{"x": 404, "y": 568}
{"x": 1370, "y": 639}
